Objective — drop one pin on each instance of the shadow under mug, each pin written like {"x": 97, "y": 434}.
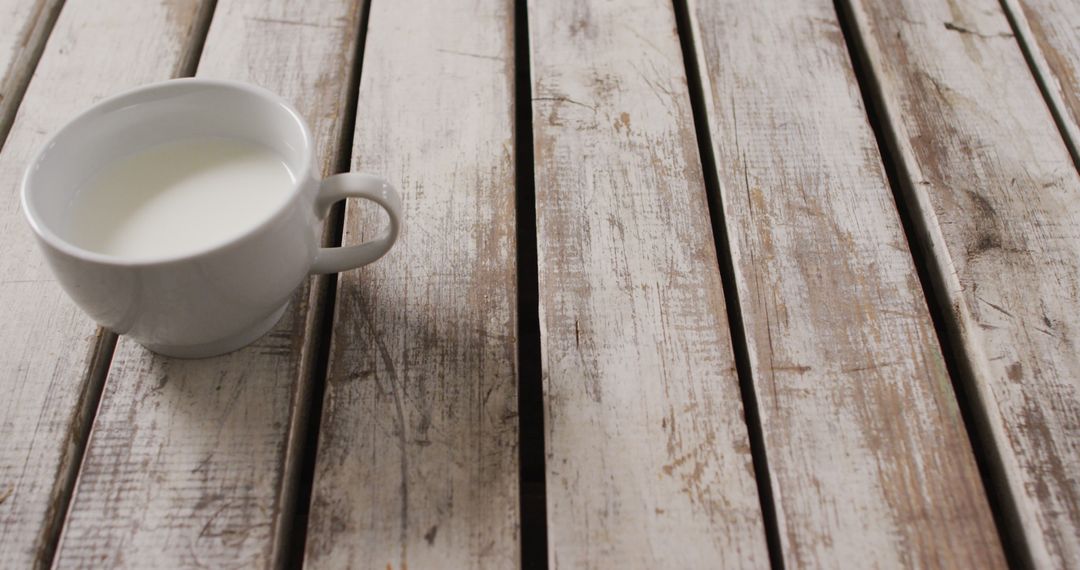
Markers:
{"x": 218, "y": 299}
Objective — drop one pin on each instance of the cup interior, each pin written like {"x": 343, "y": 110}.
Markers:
{"x": 161, "y": 113}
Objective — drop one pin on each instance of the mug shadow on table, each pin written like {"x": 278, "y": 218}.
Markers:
{"x": 419, "y": 422}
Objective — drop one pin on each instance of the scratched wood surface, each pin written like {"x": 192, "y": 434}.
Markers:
{"x": 844, "y": 357}
{"x": 993, "y": 190}
{"x": 49, "y": 376}
{"x": 193, "y": 463}
{"x": 417, "y": 461}
{"x": 1050, "y": 30}
{"x": 24, "y": 28}
{"x": 648, "y": 460}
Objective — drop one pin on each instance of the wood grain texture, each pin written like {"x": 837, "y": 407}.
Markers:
{"x": 48, "y": 372}
{"x": 648, "y": 461}
{"x": 1050, "y": 32}
{"x": 193, "y": 463}
{"x": 24, "y": 29}
{"x": 993, "y": 191}
{"x": 867, "y": 451}
{"x": 417, "y": 462}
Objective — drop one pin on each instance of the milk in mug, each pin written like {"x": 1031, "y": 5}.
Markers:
{"x": 178, "y": 198}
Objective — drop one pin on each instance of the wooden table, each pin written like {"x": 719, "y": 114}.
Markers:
{"x": 706, "y": 284}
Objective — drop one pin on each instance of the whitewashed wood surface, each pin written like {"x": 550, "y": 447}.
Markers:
{"x": 1050, "y": 32}
{"x": 417, "y": 464}
{"x": 648, "y": 459}
{"x": 49, "y": 376}
{"x": 648, "y": 462}
{"x": 194, "y": 463}
{"x": 994, "y": 191}
{"x": 24, "y": 28}
{"x": 867, "y": 452}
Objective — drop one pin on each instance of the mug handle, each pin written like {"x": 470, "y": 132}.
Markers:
{"x": 368, "y": 187}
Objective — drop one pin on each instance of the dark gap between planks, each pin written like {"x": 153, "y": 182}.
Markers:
{"x": 973, "y": 412}
{"x": 18, "y": 88}
{"x": 731, "y": 292}
{"x": 324, "y": 307}
{"x": 531, "y": 481}
{"x": 101, "y": 361}
{"x": 79, "y": 433}
{"x": 1029, "y": 47}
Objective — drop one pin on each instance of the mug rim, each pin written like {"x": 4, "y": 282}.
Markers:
{"x": 55, "y": 241}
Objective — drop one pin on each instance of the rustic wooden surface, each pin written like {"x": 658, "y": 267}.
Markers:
{"x": 24, "y": 28}
{"x": 417, "y": 462}
{"x": 193, "y": 463}
{"x": 1050, "y": 31}
{"x": 852, "y": 449}
{"x": 648, "y": 461}
{"x": 49, "y": 375}
{"x": 994, "y": 192}
{"x": 843, "y": 352}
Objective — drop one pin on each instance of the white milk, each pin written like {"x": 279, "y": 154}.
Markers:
{"x": 179, "y": 197}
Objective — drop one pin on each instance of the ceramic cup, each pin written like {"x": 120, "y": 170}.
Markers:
{"x": 222, "y": 298}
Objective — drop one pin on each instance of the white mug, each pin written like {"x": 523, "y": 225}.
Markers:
{"x": 216, "y": 300}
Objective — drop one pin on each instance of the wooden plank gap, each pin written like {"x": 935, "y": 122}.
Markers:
{"x": 986, "y": 457}
{"x": 417, "y": 460}
{"x": 648, "y": 458}
{"x": 31, "y": 44}
{"x": 933, "y": 277}
{"x": 189, "y": 62}
{"x": 727, "y": 276}
{"x": 78, "y": 434}
{"x": 867, "y": 452}
{"x": 532, "y": 477}
{"x": 305, "y": 442}
{"x": 1044, "y": 77}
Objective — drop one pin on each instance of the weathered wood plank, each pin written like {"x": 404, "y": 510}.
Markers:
{"x": 193, "y": 463}
{"x": 48, "y": 373}
{"x": 867, "y": 451}
{"x": 24, "y": 28}
{"x": 993, "y": 190}
{"x": 648, "y": 461}
{"x": 417, "y": 462}
{"x": 1050, "y": 31}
